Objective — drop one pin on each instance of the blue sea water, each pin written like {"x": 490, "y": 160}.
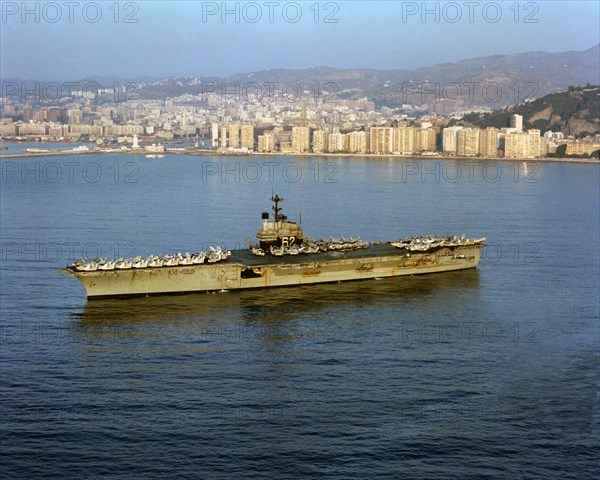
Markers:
{"x": 487, "y": 373}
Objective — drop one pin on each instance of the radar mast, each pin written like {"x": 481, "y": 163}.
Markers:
{"x": 276, "y": 208}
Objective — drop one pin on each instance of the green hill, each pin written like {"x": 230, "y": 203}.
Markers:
{"x": 573, "y": 112}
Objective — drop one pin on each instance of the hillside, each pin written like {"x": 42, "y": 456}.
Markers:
{"x": 573, "y": 112}
{"x": 467, "y": 84}
{"x": 535, "y": 73}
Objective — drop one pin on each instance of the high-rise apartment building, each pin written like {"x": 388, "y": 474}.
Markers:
{"x": 335, "y": 143}
{"x": 266, "y": 142}
{"x": 223, "y": 137}
{"x": 523, "y": 144}
{"x": 319, "y": 141}
{"x": 54, "y": 114}
{"x": 450, "y": 139}
{"x": 380, "y": 140}
{"x": 515, "y": 145}
{"x": 403, "y": 140}
{"x": 75, "y": 116}
{"x": 488, "y": 142}
{"x": 516, "y": 121}
{"x": 247, "y": 134}
{"x": 357, "y": 142}
{"x": 260, "y": 144}
{"x": 28, "y": 114}
{"x": 425, "y": 139}
{"x": 468, "y": 142}
{"x": 301, "y": 139}
{"x": 234, "y": 135}
{"x": 534, "y": 144}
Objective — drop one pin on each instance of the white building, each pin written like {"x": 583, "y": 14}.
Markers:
{"x": 450, "y": 139}
{"x": 516, "y": 122}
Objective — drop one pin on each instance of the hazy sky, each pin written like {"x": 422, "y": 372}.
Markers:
{"x": 67, "y": 40}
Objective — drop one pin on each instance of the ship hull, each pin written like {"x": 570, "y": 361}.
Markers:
{"x": 243, "y": 271}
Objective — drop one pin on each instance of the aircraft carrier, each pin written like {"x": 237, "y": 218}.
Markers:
{"x": 282, "y": 257}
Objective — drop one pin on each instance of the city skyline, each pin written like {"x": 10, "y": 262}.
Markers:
{"x": 54, "y": 40}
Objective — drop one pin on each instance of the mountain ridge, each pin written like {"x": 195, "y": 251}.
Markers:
{"x": 534, "y": 74}
{"x": 492, "y": 82}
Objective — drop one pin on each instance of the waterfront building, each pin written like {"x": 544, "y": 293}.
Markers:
{"x": 523, "y": 144}
{"x": 335, "y": 143}
{"x": 301, "y": 139}
{"x": 468, "y": 142}
{"x": 234, "y": 135}
{"x": 247, "y": 137}
{"x": 488, "y": 142}
{"x": 319, "y": 141}
{"x": 403, "y": 140}
{"x": 266, "y": 142}
{"x": 450, "y": 139}
{"x": 223, "y": 137}
{"x": 581, "y": 147}
{"x": 425, "y": 139}
{"x": 380, "y": 140}
{"x": 358, "y": 142}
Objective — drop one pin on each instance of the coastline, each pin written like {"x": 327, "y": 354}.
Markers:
{"x": 211, "y": 153}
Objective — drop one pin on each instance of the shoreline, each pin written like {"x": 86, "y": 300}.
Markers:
{"x": 210, "y": 153}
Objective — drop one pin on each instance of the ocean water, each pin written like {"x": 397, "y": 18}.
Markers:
{"x": 486, "y": 373}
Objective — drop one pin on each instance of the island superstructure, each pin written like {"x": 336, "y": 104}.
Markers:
{"x": 284, "y": 256}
